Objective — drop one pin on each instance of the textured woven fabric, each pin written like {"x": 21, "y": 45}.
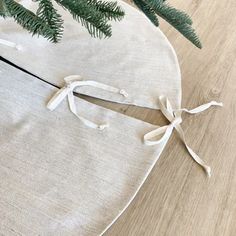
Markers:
{"x": 59, "y": 177}
{"x": 137, "y": 57}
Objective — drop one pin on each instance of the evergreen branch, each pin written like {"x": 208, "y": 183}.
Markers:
{"x": 94, "y": 15}
{"x": 148, "y": 11}
{"x": 189, "y": 33}
{"x": 49, "y": 15}
{"x": 178, "y": 19}
{"x": 181, "y": 22}
{"x": 172, "y": 14}
{"x": 110, "y": 10}
{"x": 28, "y": 20}
{"x": 88, "y": 16}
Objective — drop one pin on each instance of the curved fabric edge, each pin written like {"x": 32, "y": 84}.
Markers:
{"x": 147, "y": 100}
{"x": 178, "y": 76}
{"x": 149, "y": 161}
{"x": 179, "y": 102}
{"x": 136, "y": 192}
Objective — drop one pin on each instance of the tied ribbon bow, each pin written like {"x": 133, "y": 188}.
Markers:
{"x": 174, "y": 117}
{"x": 72, "y": 82}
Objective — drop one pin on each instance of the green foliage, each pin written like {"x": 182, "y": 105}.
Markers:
{"x": 148, "y": 11}
{"x": 94, "y": 15}
{"x": 27, "y": 19}
{"x": 178, "y": 19}
{"x": 89, "y": 16}
{"x": 110, "y": 10}
{"x": 52, "y": 19}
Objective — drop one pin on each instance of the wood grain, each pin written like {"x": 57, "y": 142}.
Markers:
{"x": 178, "y": 199}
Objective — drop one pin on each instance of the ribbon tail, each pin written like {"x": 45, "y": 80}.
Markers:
{"x": 10, "y": 44}
{"x": 57, "y": 98}
{"x": 92, "y": 124}
{"x": 80, "y": 82}
{"x": 84, "y": 120}
{"x": 195, "y": 157}
{"x": 202, "y": 107}
{"x": 71, "y": 102}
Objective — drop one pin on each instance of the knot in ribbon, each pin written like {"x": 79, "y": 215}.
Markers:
{"x": 174, "y": 117}
{"x": 73, "y": 81}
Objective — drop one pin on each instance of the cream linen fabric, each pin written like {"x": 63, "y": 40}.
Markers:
{"x": 137, "y": 57}
{"x": 57, "y": 176}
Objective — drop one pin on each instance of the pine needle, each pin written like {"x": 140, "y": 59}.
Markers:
{"x": 148, "y": 11}
{"x": 94, "y": 15}
{"x": 180, "y": 20}
{"x": 49, "y": 15}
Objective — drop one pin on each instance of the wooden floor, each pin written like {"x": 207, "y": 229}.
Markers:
{"x": 178, "y": 198}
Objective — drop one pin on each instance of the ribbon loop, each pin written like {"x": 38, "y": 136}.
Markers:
{"x": 174, "y": 117}
{"x": 72, "y": 82}
{"x": 165, "y": 130}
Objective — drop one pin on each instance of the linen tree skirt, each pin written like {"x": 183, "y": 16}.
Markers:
{"x": 74, "y": 173}
{"x": 58, "y": 176}
{"x": 138, "y": 57}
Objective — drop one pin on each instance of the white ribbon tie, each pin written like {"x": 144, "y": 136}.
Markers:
{"x": 72, "y": 82}
{"x": 174, "y": 117}
{"x": 10, "y": 44}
